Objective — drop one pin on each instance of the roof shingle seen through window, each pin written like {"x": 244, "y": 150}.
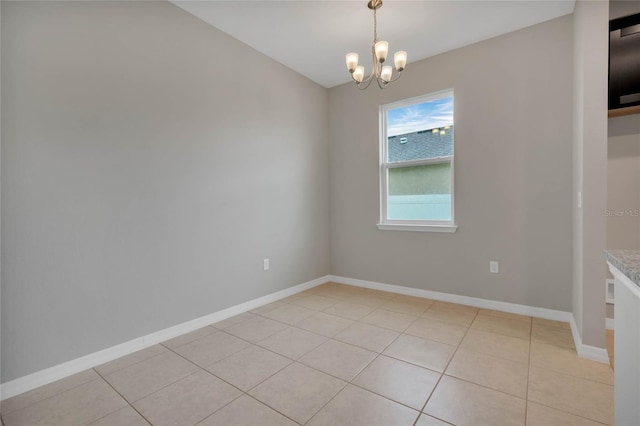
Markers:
{"x": 420, "y": 145}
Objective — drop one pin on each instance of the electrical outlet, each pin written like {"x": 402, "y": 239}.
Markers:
{"x": 494, "y": 267}
{"x": 265, "y": 264}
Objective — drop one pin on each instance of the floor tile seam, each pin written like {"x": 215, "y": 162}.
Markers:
{"x": 346, "y": 343}
{"x": 487, "y": 387}
{"x": 537, "y": 340}
{"x": 447, "y": 307}
{"x": 132, "y": 364}
{"x": 261, "y": 339}
{"x": 447, "y": 366}
{"x": 215, "y": 411}
{"x": 386, "y": 397}
{"x": 129, "y": 403}
{"x": 291, "y": 361}
{"x": 191, "y": 374}
{"x": 163, "y": 343}
{"x": 501, "y": 334}
{"x": 555, "y": 327}
{"x": 393, "y": 312}
{"x": 225, "y": 357}
{"x": 567, "y": 412}
{"x": 413, "y": 363}
{"x": 397, "y": 311}
{"x": 266, "y": 405}
{"x": 327, "y": 403}
{"x": 315, "y": 309}
{"x": 569, "y": 375}
{"x": 431, "y": 339}
{"x": 334, "y": 376}
{"x": 344, "y": 317}
{"x": 527, "y": 318}
{"x": 251, "y": 344}
{"x": 555, "y": 408}
{"x": 526, "y": 392}
{"x": 445, "y": 322}
{"x": 352, "y": 303}
{"x": 5, "y": 413}
{"x": 286, "y": 323}
{"x": 305, "y": 353}
{"x": 323, "y": 335}
{"x": 522, "y": 363}
{"x": 438, "y": 418}
{"x": 383, "y": 349}
{"x": 424, "y": 406}
{"x": 387, "y": 328}
{"x": 304, "y": 329}
{"x": 295, "y": 322}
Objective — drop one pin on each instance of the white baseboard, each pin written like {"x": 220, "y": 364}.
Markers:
{"x": 584, "y": 351}
{"x": 513, "y": 308}
{"x": 609, "y": 323}
{"x": 43, "y": 377}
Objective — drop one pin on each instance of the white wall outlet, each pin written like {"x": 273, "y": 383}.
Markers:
{"x": 265, "y": 264}
{"x": 494, "y": 266}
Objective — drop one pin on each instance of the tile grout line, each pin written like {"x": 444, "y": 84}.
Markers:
{"x": 347, "y": 383}
{"x": 130, "y": 404}
{"x": 526, "y": 394}
{"x": 448, "y": 363}
{"x": 2, "y": 415}
{"x": 231, "y": 384}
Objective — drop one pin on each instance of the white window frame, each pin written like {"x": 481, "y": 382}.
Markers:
{"x": 411, "y": 225}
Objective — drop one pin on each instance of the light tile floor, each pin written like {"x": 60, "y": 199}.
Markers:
{"x": 340, "y": 355}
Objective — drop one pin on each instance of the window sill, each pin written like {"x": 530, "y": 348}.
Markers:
{"x": 418, "y": 228}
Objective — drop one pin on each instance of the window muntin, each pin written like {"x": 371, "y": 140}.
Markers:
{"x": 416, "y": 167}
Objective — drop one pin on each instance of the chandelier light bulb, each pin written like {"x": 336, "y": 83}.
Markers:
{"x": 352, "y": 61}
{"x": 400, "y": 59}
{"x": 385, "y": 74}
{"x": 382, "y": 49}
{"x": 358, "y": 74}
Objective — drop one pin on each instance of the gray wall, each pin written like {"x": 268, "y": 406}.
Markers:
{"x": 591, "y": 39}
{"x": 513, "y": 112}
{"x": 150, "y": 162}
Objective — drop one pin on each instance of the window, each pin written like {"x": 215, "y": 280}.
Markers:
{"x": 416, "y": 164}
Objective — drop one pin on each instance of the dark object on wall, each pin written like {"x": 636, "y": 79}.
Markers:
{"x": 624, "y": 62}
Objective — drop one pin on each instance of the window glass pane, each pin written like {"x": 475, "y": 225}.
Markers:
{"x": 420, "y": 192}
{"x": 420, "y": 131}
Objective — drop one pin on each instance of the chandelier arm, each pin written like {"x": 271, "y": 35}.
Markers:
{"x": 366, "y": 84}
{"x": 398, "y": 74}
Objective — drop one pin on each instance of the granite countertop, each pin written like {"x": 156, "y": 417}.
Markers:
{"x": 627, "y": 261}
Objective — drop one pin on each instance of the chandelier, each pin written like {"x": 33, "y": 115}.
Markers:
{"x": 383, "y": 74}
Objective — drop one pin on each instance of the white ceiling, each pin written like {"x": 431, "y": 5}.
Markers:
{"x": 312, "y": 37}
